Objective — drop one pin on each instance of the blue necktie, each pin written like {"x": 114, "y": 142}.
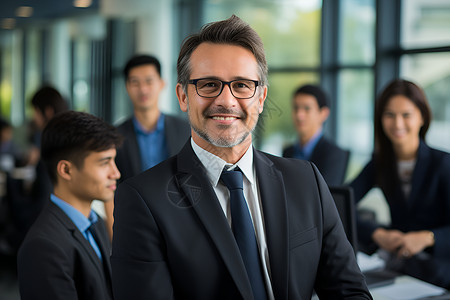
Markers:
{"x": 243, "y": 231}
{"x": 90, "y": 236}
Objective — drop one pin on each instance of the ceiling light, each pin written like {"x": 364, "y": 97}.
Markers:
{"x": 82, "y": 3}
{"x": 24, "y": 11}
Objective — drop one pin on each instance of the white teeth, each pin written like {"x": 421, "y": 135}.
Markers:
{"x": 224, "y": 118}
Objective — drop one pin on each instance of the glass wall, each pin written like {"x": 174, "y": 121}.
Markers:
{"x": 426, "y": 60}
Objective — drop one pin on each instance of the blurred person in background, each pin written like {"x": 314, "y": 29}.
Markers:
{"x": 414, "y": 179}
{"x": 310, "y": 110}
{"x": 150, "y": 135}
{"x": 28, "y": 188}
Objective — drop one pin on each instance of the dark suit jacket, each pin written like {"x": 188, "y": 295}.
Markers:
{"x": 329, "y": 158}
{"x": 128, "y": 159}
{"x": 426, "y": 208}
{"x": 172, "y": 239}
{"x": 56, "y": 261}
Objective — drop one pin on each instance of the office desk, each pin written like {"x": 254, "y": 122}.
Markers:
{"x": 407, "y": 288}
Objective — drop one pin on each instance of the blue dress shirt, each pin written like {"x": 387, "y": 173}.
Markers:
{"x": 306, "y": 151}
{"x": 81, "y": 222}
{"x": 152, "y": 144}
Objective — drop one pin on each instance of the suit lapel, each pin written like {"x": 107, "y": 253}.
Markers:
{"x": 78, "y": 237}
{"x": 274, "y": 206}
{"x": 419, "y": 173}
{"x": 172, "y": 136}
{"x": 195, "y": 184}
{"x": 133, "y": 148}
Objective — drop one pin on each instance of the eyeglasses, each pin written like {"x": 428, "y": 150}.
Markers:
{"x": 210, "y": 88}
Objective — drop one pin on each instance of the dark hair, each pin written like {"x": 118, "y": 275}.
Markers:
{"x": 232, "y": 31}
{"x": 140, "y": 60}
{"x": 385, "y": 159}
{"x": 47, "y": 96}
{"x": 315, "y": 91}
{"x": 72, "y": 135}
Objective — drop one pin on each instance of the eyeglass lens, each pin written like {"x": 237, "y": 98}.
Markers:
{"x": 239, "y": 88}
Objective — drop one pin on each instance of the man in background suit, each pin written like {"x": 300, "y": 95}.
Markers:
{"x": 179, "y": 226}
{"x": 150, "y": 135}
{"x": 65, "y": 254}
{"x": 310, "y": 111}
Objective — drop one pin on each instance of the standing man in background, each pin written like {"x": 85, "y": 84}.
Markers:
{"x": 309, "y": 112}
{"x": 65, "y": 254}
{"x": 221, "y": 220}
{"x": 150, "y": 135}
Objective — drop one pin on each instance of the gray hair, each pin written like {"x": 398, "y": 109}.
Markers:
{"x": 232, "y": 31}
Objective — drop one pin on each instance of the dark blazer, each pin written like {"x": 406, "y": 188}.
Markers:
{"x": 56, "y": 261}
{"x": 172, "y": 239}
{"x": 329, "y": 158}
{"x": 128, "y": 158}
{"x": 426, "y": 208}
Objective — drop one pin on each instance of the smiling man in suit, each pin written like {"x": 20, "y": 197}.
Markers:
{"x": 222, "y": 220}
{"x": 65, "y": 255}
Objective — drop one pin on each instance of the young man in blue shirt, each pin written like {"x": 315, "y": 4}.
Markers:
{"x": 65, "y": 254}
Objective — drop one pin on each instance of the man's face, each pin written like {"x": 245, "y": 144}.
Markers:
{"x": 308, "y": 116}
{"x": 223, "y": 121}
{"x": 96, "y": 178}
{"x": 144, "y": 86}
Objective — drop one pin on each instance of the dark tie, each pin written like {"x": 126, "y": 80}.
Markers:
{"x": 92, "y": 239}
{"x": 243, "y": 231}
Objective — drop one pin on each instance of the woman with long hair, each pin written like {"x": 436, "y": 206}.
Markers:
{"x": 414, "y": 179}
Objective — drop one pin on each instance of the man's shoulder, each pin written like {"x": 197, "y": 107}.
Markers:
{"x": 47, "y": 229}
{"x": 330, "y": 146}
{"x": 282, "y": 163}
{"x": 125, "y": 125}
{"x": 165, "y": 168}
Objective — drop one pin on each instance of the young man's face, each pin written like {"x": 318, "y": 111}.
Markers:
{"x": 144, "y": 86}
{"x": 96, "y": 178}
{"x": 308, "y": 116}
{"x": 222, "y": 121}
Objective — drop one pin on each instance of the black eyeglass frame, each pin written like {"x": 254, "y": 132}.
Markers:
{"x": 224, "y": 83}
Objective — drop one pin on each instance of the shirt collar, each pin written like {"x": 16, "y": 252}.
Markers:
{"x": 214, "y": 165}
{"x": 159, "y": 125}
{"x": 75, "y": 215}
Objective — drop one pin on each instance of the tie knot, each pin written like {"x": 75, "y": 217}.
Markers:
{"x": 232, "y": 179}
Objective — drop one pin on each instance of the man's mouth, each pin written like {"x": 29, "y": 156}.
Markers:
{"x": 220, "y": 118}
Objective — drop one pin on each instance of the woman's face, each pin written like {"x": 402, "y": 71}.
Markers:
{"x": 401, "y": 121}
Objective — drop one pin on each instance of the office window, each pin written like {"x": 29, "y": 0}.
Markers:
{"x": 357, "y": 34}
{"x": 432, "y": 73}
{"x": 425, "y": 23}
{"x": 355, "y": 115}
{"x": 355, "y": 81}
{"x": 425, "y": 40}
{"x": 33, "y": 67}
{"x": 6, "y": 65}
{"x": 81, "y": 75}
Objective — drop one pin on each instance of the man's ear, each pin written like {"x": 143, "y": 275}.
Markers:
{"x": 64, "y": 169}
{"x": 49, "y": 112}
{"x": 182, "y": 97}
{"x": 324, "y": 113}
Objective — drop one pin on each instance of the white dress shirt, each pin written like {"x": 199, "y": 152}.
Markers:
{"x": 214, "y": 166}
